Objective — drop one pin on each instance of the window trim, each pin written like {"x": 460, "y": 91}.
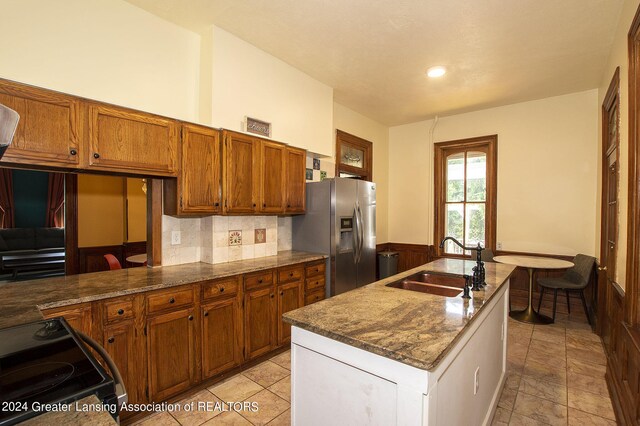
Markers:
{"x": 441, "y": 151}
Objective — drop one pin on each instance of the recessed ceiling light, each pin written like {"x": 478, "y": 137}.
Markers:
{"x": 435, "y": 72}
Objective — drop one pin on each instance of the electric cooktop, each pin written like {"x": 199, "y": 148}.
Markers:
{"x": 45, "y": 363}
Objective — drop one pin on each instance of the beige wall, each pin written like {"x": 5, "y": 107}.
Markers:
{"x": 347, "y": 120}
{"x": 618, "y": 58}
{"x": 107, "y": 50}
{"x": 246, "y": 81}
{"x": 547, "y": 159}
{"x": 136, "y": 225}
{"x": 100, "y": 211}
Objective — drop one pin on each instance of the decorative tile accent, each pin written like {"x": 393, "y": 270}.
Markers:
{"x": 309, "y": 174}
{"x": 260, "y": 236}
{"x": 316, "y": 164}
{"x": 235, "y": 238}
{"x": 323, "y": 175}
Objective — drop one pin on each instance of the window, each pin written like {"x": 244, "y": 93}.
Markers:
{"x": 353, "y": 156}
{"x": 465, "y": 193}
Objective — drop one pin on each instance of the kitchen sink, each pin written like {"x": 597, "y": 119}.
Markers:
{"x": 447, "y": 285}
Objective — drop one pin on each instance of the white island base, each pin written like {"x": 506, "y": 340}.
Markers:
{"x": 337, "y": 384}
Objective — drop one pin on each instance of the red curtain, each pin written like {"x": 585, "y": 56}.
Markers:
{"x": 6, "y": 199}
{"x": 55, "y": 203}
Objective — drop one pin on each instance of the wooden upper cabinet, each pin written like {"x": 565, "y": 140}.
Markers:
{"x": 133, "y": 142}
{"x": 197, "y": 190}
{"x": 49, "y": 132}
{"x": 240, "y": 173}
{"x": 272, "y": 177}
{"x": 295, "y": 183}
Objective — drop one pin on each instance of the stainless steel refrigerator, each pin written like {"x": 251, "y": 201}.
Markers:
{"x": 341, "y": 223}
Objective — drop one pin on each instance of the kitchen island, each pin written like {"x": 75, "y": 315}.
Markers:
{"x": 382, "y": 355}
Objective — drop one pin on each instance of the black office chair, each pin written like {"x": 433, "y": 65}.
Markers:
{"x": 574, "y": 280}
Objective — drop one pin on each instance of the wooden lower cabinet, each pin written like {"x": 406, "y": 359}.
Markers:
{"x": 221, "y": 336}
{"x": 171, "y": 353}
{"x": 122, "y": 344}
{"x": 78, "y": 316}
{"x": 259, "y": 324}
{"x": 289, "y": 298}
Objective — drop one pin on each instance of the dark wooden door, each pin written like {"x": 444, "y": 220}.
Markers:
{"x": 120, "y": 342}
{"x": 609, "y": 211}
{"x": 240, "y": 174}
{"x": 272, "y": 177}
{"x": 121, "y": 140}
{"x": 259, "y": 321}
{"x": 171, "y": 353}
{"x": 221, "y": 336}
{"x": 199, "y": 185}
{"x": 296, "y": 181}
{"x": 289, "y": 298}
{"x": 49, "y": 132}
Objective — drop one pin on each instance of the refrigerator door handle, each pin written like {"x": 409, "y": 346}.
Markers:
{"x": 360, "y": 231}
{"x": 355, "y": 234}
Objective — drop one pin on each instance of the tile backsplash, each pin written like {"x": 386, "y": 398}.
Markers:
{"x": 220, "y": 239}
{"x": 319, "y": 168}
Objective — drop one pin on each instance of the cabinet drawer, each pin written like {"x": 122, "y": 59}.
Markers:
{"x": 314, "y": 283}
{"x": 169, "y": 299}
{"x": 290, "y": 274}
{"x": 315, "y": 269}
{"x": 259, "y": 279}
{"x": 220, "y": 288}
{"x": 314, "y": 297}
{"x": 119, "y": 309}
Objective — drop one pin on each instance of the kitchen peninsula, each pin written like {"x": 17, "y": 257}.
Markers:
{"x": 382, "y": 355}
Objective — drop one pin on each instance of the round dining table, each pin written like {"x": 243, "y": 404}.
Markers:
{"x": 531, "y": 263}
{"x": 138, "y": 258}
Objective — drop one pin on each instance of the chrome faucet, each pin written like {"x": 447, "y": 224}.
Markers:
{"x": 478, "y": 270}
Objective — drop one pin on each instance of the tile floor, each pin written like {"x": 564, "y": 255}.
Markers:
{"x": 555, "y": 376}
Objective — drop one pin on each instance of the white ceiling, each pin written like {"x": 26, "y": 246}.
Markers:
{"x": 374, "y": 53}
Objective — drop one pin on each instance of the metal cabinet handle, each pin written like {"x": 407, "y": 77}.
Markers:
{"x": 264, "y": 204}
{"x": 254, "y": 204}
{"x": 260, "y": 281}
{"x": 290, "y": 274}
{"x": 216, "y": 204}
{"x": 288, "y": 205}
{"x": 272, "y": 295}
{"x": 111, "y": 340}
{"x": 190, "y": 317}
{"x": 96, "y": 155}
{"x": 282, "y": 293}
{"x": 221, "y": 289}
{"x": 172, "y": 300}
{"x": 73, "y": 152}
{"x": 206, "y": 313}
{"x": 120, "y": 311}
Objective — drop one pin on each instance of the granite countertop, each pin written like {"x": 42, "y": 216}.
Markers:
{"x": 414, "y": 328}
{"x": 23, "y": 300}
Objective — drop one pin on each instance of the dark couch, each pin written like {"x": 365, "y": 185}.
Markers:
{"x": 31, "y": 249}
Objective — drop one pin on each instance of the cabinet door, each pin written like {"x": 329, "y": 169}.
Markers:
{"x": 240, "y": 173}
{"x": 296, "y": 181}
{"x": 120, "y": 343}
{"x": 289, "y": 298}
{"x": 78, "y": 316}
{"x": 196, "y": 191}
{"x": 259, "y": 322}
{"x": 49, "y": 132}
{"x": 272, "y": 177}
{"x": 124, "y": 141}
{"x": 221, "y": 336}
{"x": 171, "y": 353}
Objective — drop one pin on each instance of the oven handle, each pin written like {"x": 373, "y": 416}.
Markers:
{"x": 121, "y": 391}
